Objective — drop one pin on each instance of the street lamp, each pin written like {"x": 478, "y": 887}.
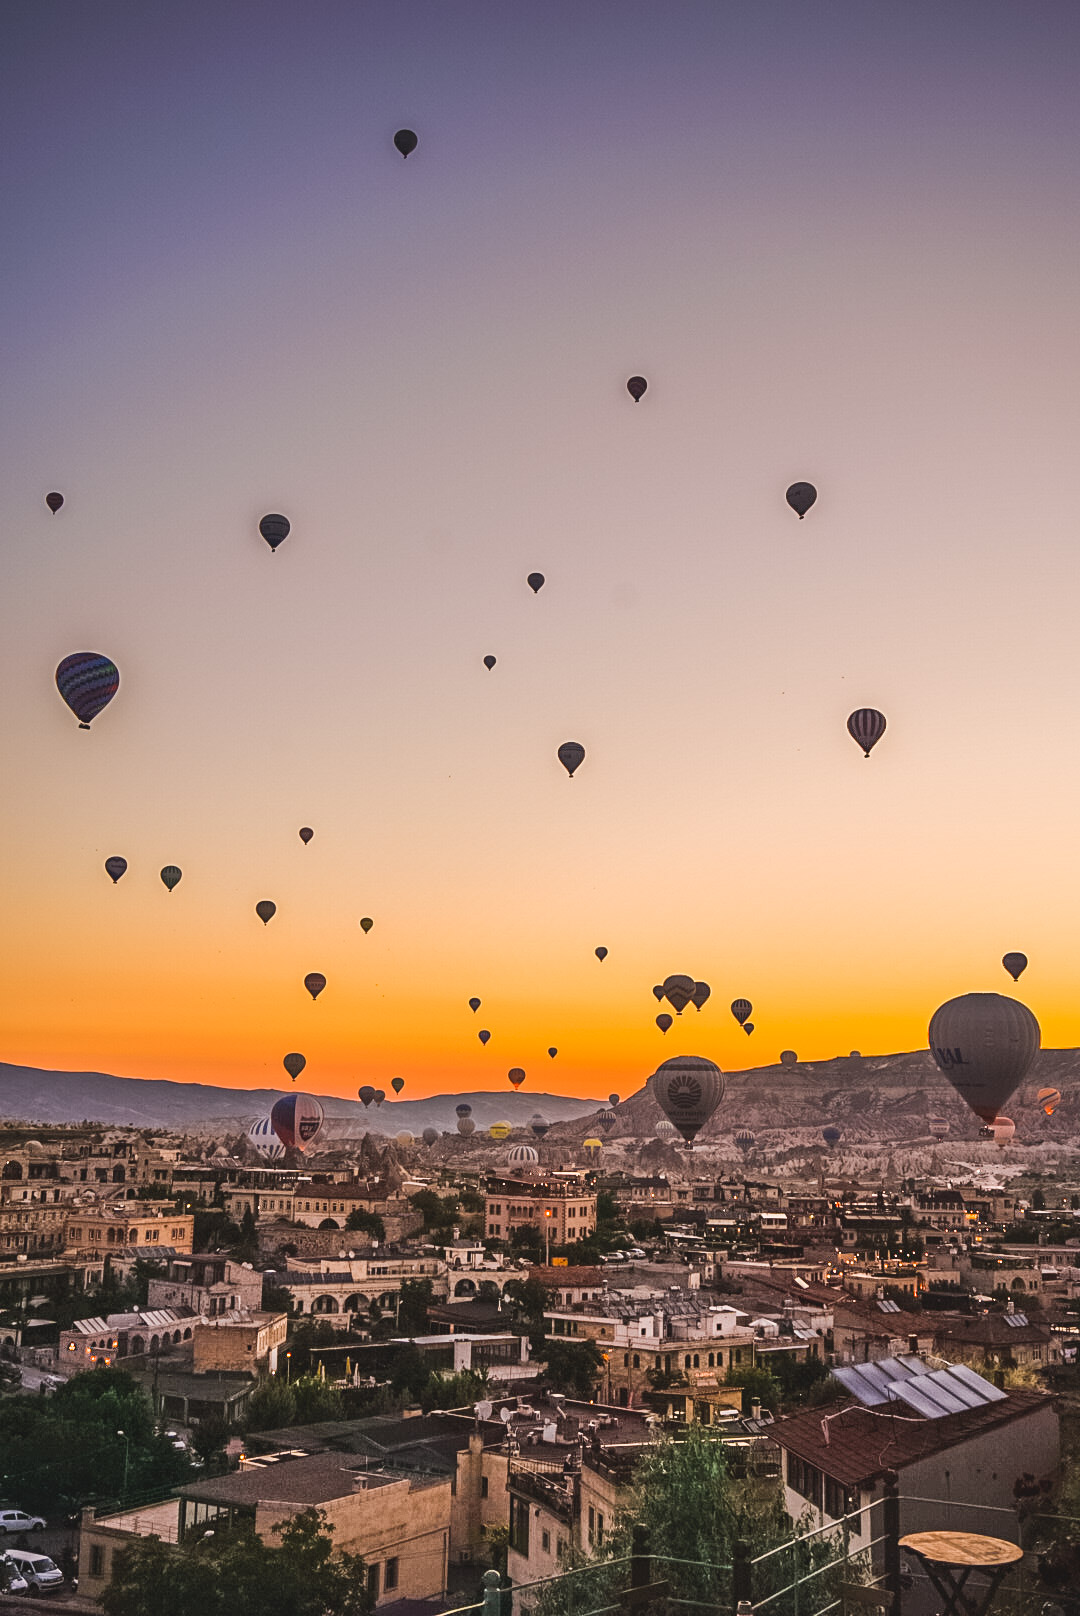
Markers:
{"x": 288, "y": 1367}
{"x": 548, "y": 1215}
{"x": 607, "y": 1359}
{"x": 127, "y": 1461}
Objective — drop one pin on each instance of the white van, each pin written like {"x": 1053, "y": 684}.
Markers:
{"x": 42, "y": 1574}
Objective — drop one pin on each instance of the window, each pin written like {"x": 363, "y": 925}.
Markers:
{"x": 97, "y": 1560}
{"x": 637, "y": 1360}
{"x": 805, "y": 1480}
{"x": 599, "y": 1528}
{"x": 483, "y": 1486}
{"x": 545, "y": 1541}
{"x": 390, "y": 1574}
{"x": 838, "y": 1503}
{"x": 592, "y": 1522}
{"x": 373, "y": 1581}
{"x": 519, "y": 1525}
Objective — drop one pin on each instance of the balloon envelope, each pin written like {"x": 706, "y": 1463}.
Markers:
{"x": 984, "y": 1043}
{"x": 464, "y": 1109}
{"x": 788, "y": 1057}
{"x": 474, "y": 1005}
{"x": 517, "y": 1075}
{"x": 466, "y": 1126}
{"x": 489, "y": 663}
{"x": 275, "y": 529}
{"x": 832, "y": 1136}
{"x": 702, "y": 991}
{"x": 261, "y": 1135}
{"x": 636, "y": 387}
{"x": 522, "y": 1156}
{"x": 553, "y": 1052}
{"x": 866, "y": 726}
{"x": 294, "y": 1064}
{"x": 664, "y": 1021}
{"x": 405, "y": 141}
{"x": 601, "y": 954}
{"x": 171, "y": 875}
{"x": 88, "y": 682}
{"x": 658, "y": 992}
{"x": 666, "y": 1129}
{"x": 1002, "y": 1130}
{"x": 748, "y": 1027}
{"x": 571, "y": 756}
{"x": 54, "y": 502}
{"x": 380, "y": 1096}
{"x": 404, "y": 1138}
{"x": 1049, "y": 1099}
{"x": 397, "y": 1084}
{"x": 613, "y": 1099}
{"x": 744, "y": 1138}
{"x": 1015, "y": 964}
{"x": 366, "y": 924}
{"x": 538, "y": 1125}
{"x": 429, "y": 1136}
{"x": 688, "y": 1089}
{"x": 366, "y": 1094}
{"x": 315, "y": 981}
{"x": 265, "y": 910}
{"x": 500, "y": 1130}
{"x": 483, "y": 1035}
{"x": 607, "y": 1119}
{"x": 741, "y": 1009}
{"x": 800, "y": 496}
{"x": 115, "y": 868}
{"x": 305, "y": 833}
{"x": 297, "y": 1120}
{"x": 679, "y": 992}
{"x": 937, "y": 1127}
{"x": 535, "y": 581}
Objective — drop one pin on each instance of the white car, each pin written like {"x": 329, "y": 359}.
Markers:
{"x": 17, "y": 1520}
{"x": 12, "y": 1580}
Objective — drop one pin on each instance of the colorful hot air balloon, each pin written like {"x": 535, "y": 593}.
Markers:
{"x": 744, "y": 1139}
{"x": 404, "y": 1139}
{"x": 679, "y": 992}
{"x": 788, "y": 1058}
{"x": 866, "y": 726}
{"x": 275, "y": 529}
{"x": 832, "y": 1136}
{"x": 366, "y": 924}
{"x": 1001, "y": 1130}
{"x": 365, "y": 1094}
{"x": 397, "y": 1084}
{"x": 1049, "y": 1099}
{"x": 666, "y": 1130}
{"x": 500, "y": 1130}
{"x": 261, "y": 1137}
{"x": 54, "y": 502}
{"x": 474, "y": 1005}
{"x": 984, "y": 1043}
{"x": 466, "y": 1126}
{"x": 538, "y": 1125}
{"x": 380, "y": 1096}
{"x": 522, "y": 1156}
{"x": 430, "y": 1136}
{"x": 517, "y": 1076}
{"x": 115, "y": 867}
{"x": 314, "y": 982}
{"x": 571, "y": 756}
{"x": 613, "y": 1099}
{"x": 800, "y": 496}
{"x": 664, "y": 1021}
{"x": 88, "y": 682}
{"x": 265, "y": 910}
{"x": 297, "y": 1120}
{"x": 741, "y": 1009}
{"x": 1015, "y": 964}
{"x": 464, "y": 1109}
{"x": 405, "y": 141}
{"x": 636, "y": 387}
{"x": 688, "y": 1090}
{"x": 937, "y": 1127}
{"x": 702, "y": 992}
{"x": 489, "y": 663}
{"x": 483, "y": 1035}
{"x": 607, "y": 1119}
{"x": 294, "y": 1064}
{"x": 592, "y": 1148}
{"x": 535, "y": 581}
{"x": 171, "y": 875}
{"x": 601, "y": 954}
{"x": 748, "y": 1027}
{"x": 305, "y": 834}
{"x": 553, "y": 1052}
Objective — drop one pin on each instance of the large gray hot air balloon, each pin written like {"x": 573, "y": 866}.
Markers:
{"x": 679, "y": 992}
{"x": 688, "y": 1090}
{"x": 866, "y": 726}
{"x": 430, "y": 1136}
{"x": 984, "y": 1043}
{"x": 1015, "y": 964}
{"x": 571, "y": 756}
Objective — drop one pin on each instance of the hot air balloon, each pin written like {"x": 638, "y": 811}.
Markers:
{"x": 115, "y": 867}
{"x": 171, "y": 875}
{"x": 54, "y": 502}
{"x": 305, "y": 833}
{"x": 297, "y": 1120}
{"x": 474, "y": 1005}
{"x": 404, "y": 1139}
{"x": 365, "y": 1094}
{"x": 464, "y": 1109}
{"x": 664, "y": 1021}
{"x": 636, "y": 387}
{"x": 607, "y": 1119}
{"x": 538, "y": 1125}
{"x": 666, "y": 1130}
{"x": 788, "y": 1058}
{"x": 275, "y": 529}
{"x": 613, "y": 1099}
{"x": 744, "y": 1139}
{"x": 866, "y": 726}
{"x": 831, "y": 1135}
{"x": 88, "y": 682}
{"x": 535, "y": 581}
{"x": 688, "y": 1089}
{"x": 380, "y": 1096}
{"x": 679, "y": 992}
{"x": 1002, "y": 1130}
{"x": 592, "y": 1148}
{"x": 984, "y": 1043}
{"x": 466, "y": 1126}
{"x": 314, "y": 982}
{"x": 937, "y": 1127}
{"x": 397, "y": 1084}
{"x": 366, "y": 924}
{"x": 262, "y": 1137}
{"x": 500, "y": 1130}
{"x": 800, "y": 496}
{"x": 1049, "y": 1099}
{"x": 265, "y": 910}
{"x": 553, "y": 1052}
{"x": 294, "y": 1064}
{"x": 405, "y": 141}
{"x": 741, "y": 1009}
{"x": 702, "y": 992}
{"x": 517, "y": 1076}
{"x": 571, "y": 756}
{"x": 1015, "y": 964}
{"x": 748, "y": 1027}
{"x": 601, "y": 954}
{"x": 522, "y": 1156}
{"x": 489, "y": 663}
{"x": 658, "y": 992}
{"x": 429, "y": 1136}
{"x": 483, "y": 1035}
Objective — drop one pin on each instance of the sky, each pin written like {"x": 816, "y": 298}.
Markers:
{"x": 840, "y": 242}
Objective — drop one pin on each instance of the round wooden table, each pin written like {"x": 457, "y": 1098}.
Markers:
{"x": 951, "y": 1557}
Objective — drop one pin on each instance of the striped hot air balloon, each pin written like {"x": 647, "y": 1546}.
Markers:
{"x": 262, "y": 1137}
{"x": 88, "y": 682}
{"x": 866, "y": 726}
{"x": 297, "y": 1120}
{"x": 1049, "y": 1099}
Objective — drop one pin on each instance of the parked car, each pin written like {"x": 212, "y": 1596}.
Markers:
{"x": 42, "y": 1574}
{"x": 12, "y": 1580}
{"x": 14, "y": 1521}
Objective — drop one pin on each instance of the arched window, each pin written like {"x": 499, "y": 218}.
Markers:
{"x": 710, "y": 1360}
{"x": 136, "y": 1344}
{"x": 324, "y": 1304}
{"x": 464, "y": 1287}
{"x": 686, "y": 1361}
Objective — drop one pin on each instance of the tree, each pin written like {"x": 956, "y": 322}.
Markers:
{"x": 271, "y": 1405}
{"x": 438, "y": 1215}
{"x": 366, "y": 1223}
{"x": 527, "y": 1240}
{"x": 208, "y": 1439}
{"x": 453, "y": 1391}
{"x": 529, "y": 1300}
{"x": 315, "y": 1400}
{"x": 246, "y": 1246}
{"x": 414, "y": 1299}
{"x": 758, "y": 1385}
{"x": 237, "y": 1571}
{"x": 574, "y": 1367}
{"x": 410, "y": 1373}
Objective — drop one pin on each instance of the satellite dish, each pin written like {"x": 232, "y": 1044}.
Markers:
{"x": 504, "y": 1415}
{"x": 483, "y": 1410}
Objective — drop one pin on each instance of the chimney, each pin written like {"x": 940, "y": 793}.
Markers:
{"x": 755, "y": 1410}
{"x": 1010, "y": 1306}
